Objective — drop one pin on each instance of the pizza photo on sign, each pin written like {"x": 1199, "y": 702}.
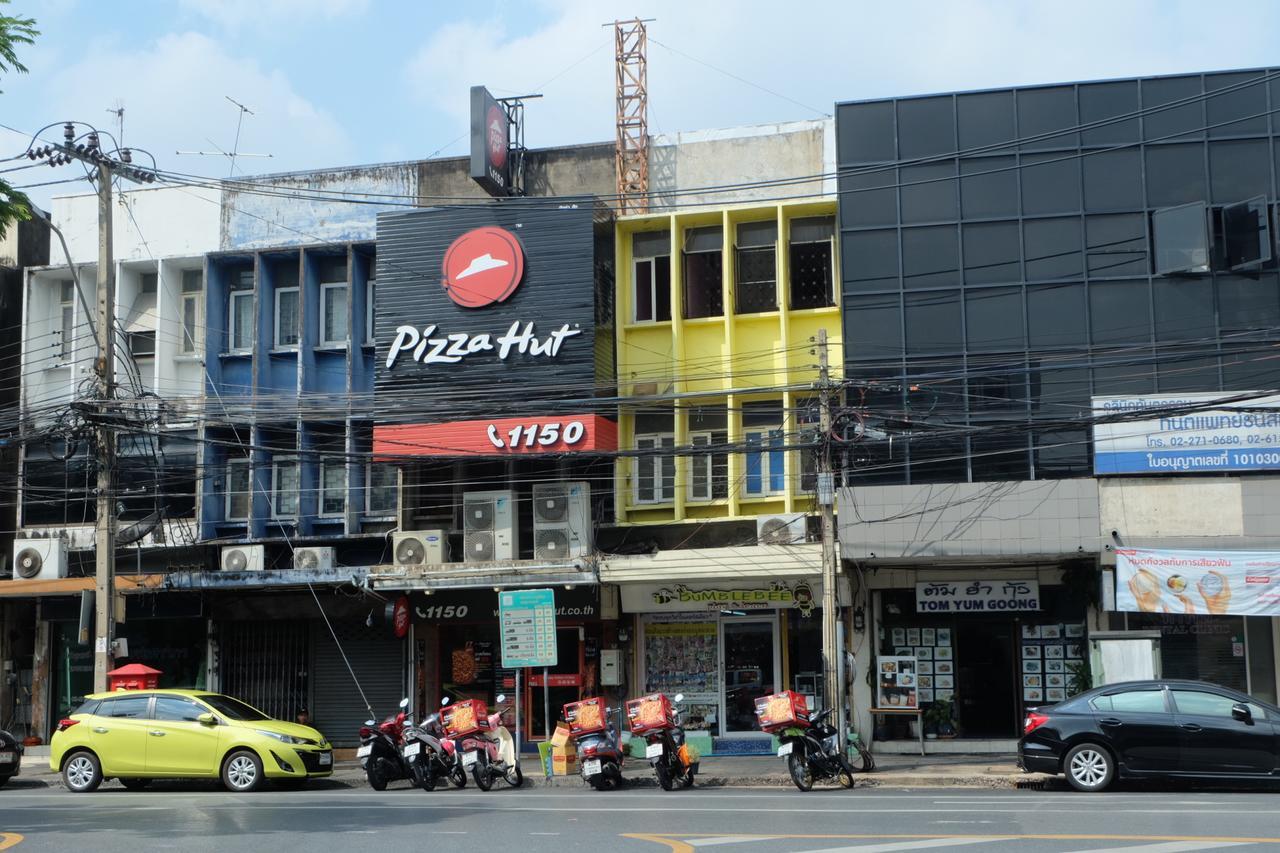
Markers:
{"x": 482, "y": 267}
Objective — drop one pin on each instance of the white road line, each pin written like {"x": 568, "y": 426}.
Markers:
{"x": 723, "y": 839}
{"x": 1166, "y": 847}
{"x": 922, "y": 844}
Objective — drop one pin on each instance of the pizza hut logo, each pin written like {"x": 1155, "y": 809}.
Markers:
{"x": 400, "y": 617}
{"x": 495, "y": 123}
{"x": 482, "y": 267}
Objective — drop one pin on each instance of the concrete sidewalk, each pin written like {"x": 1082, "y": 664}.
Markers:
{"x": 898, "y": 771}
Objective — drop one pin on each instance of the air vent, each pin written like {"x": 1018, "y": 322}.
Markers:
{"x": 419, "y": 547}
{"x": 787, "y": 529}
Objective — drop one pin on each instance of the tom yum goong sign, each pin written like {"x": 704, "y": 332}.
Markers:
{"x": 997, "y": 596}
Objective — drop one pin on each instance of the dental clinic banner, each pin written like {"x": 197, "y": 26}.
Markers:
{"x": 1242, "y": 583}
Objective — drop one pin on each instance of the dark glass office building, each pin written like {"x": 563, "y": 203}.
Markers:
{"x": 1007, "y": 254}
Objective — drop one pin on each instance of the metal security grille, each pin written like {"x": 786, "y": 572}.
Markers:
{"x": 379, "y": 661}
{"x": 266, "y": 664}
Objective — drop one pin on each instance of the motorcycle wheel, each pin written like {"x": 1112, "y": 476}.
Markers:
{"x": 845, "y": 774}
{"x": 612, "y": 777}
{"x": 801, "y": 773}
{"x": 514, "y": 776}
{"x": 687, "y": 780}
{"x": 484, "y": 781}
{"x": 665, "y": 777}
{"x": 377, "y": 779}
{"x": 458, "y": 777}
{"x": 864, "y": 763}
{"x": 427, "y": 782}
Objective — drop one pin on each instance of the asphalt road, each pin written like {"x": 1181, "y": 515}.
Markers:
{"x": 735, "y": 820}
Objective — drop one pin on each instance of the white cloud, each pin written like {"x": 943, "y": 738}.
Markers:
{"x": 237, "y": 13}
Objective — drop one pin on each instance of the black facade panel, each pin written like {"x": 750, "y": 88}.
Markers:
{"x": 554, "y": 328}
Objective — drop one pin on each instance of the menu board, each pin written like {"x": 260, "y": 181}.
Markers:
{"x": 935, "y": 660}
{"x": 897, "y": 683}
{"x": 1048, "y": 654}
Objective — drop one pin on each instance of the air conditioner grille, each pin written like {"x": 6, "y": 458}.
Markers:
{"x": 478, "y": 515}
{"x": 411, "y": 551}
{"x": 480, "y": 546}
{"x": 552, "y": 545}
{"x": 551, "y": 506}
{"x": 237, "y": 560}
{"x": 28, "y": 563}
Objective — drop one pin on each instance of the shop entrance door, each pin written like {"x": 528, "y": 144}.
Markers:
{"x": 987, "y": 681}
{"x": 751, "y": 665}
{"x": 563, "y": 684}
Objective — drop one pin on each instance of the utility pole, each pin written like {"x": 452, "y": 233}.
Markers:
{"x": 831, "y": 651}
{"x": 104, "y": 538}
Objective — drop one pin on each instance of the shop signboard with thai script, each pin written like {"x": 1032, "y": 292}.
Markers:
{"x": 1186, "y": 433}
{"x": 1242, "y": 583}
{"x": 527, "y": 620}
{"x": 674, "y": 597}
{"x": 977, "y": 596}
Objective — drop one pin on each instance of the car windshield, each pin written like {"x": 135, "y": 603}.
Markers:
{"x": 232, "y": 708}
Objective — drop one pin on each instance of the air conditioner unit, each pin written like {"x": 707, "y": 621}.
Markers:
{"x": 489, "y": 526}
{"x": 561, "y": 520}
{"x": 243, "y": 558}
{"x": 39, "y": 558}
{"x": 419, "y": 547}
{"x": 786, "y": 529}
{"x": 313, "y": 559}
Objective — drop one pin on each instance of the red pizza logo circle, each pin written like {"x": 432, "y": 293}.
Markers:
{"x": 482, "y": 267}
{"x": 400, "y": 620}
{"x": 496, "y": 132}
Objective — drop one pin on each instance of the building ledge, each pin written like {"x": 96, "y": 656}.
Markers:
{"x": 507, "y": 575}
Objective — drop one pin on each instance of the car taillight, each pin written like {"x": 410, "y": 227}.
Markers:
{"x": 1033, "y": 722}
{"x": 63, "y": 725}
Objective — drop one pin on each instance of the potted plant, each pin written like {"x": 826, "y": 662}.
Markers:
{"x": 940, "y": 719}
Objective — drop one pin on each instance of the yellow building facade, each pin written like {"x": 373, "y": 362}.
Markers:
{"x": 718, "y": 312}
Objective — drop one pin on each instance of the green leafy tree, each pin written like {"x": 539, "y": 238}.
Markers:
{"x": 14, "y": 206}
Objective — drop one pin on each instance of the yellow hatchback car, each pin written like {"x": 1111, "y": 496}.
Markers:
{"x": 139, "y": 735}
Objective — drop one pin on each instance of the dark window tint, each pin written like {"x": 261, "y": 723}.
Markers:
{"x": 131, "y": 707}
{"x": 1248, "y": 303}
{"x": 1232, "y": 110}
{"x": 933, "y": 322}
{"x": 232, "y": 708}
{"x": 1056, "y": 316}
{"x": 1184, "y": 309}
{"x": 1239, "y": 170}
{"x": 869, "y": 199}
{"x": 1246, "y": 368}
{"x": 989, "y": 187}
{"x": 866, "y": 133}
{"x": 1175, "y": 174}
{"x": 1246, "y": 233}
{"x": 998, "y": 390}
{"x": 930, "y": 257}
{"x": 938, "y": 459}
{"x": 1133, "y": 701}
{"x": 757, "y": 288}
{"x": 929, "y": 192}
{"x": 1185, "y": 120}
{"x": 1102, "y": 101}
{"x": 1113, "y": 180}
{"x": 993, "y": 318}
{"x": 869, "y": 260}
{"x": 1116, "y": 245}
{"x": 703, "y": 273}
{"x": 1124, "y": 379}
{"x": 991, "y": 252}
{"x": 1044, "y": 111}
{"x": 1059, "y": 391}
{"x": 1181, "y": 371}
{"x": 175, "y": 708}
{"x": 1052, "y": 248}
{"x": 925, "y": 126}
{"x": 1062, "y": 453}
{"x": 811, "y": 275}
{"x": 653, "y": 289}
{"x": 1050, "y": 183}
{"x": 1119, "y": 312}
{"x": 1000, "y": 452}
{"x": 1180, "y": 239}
{"x": 985, "y": 118}
{"x": 90, "y": 706}
{"x": 873, "y": 326}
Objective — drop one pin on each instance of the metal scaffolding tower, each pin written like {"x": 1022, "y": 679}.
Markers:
{"x": 631, "y": 155}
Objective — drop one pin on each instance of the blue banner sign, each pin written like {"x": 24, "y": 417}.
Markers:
{"x": 527, "y": 622}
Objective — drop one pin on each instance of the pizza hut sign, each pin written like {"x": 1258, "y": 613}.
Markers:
{"x": 482, "y": 267}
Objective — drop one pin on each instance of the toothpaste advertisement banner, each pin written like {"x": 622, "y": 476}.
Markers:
{"x": 1186, "y": 434}
{"x": 1239, "y": 583}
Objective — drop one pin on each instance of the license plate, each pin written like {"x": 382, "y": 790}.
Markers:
{"x": 412, "y": 749}
{"x": 326, "y": 758}
{"x": 364, "y": 751}
{"x": 591, "y": 768}
{"x": 470, "y": 758}
{"x": 8, "y": 757}
{"x": 785, "y": 749}
{"x": 653, "y": 750}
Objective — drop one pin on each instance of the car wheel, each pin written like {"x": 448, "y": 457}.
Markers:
{"x": 135, "y": 784}
{"x": 82, "y": 773}
{"x": 1089, "y": 767}
{"x": 242, "y": 772}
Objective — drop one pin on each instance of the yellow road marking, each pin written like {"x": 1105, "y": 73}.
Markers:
{"x": 676, "y": 845}
{"x": 9, "y": 839}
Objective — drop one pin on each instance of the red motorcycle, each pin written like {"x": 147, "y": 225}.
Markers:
{"x": 380, "y": 750}
{"x": 596, "y": 740}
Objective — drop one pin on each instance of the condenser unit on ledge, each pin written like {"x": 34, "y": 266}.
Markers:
{"x": 243, "y": 558}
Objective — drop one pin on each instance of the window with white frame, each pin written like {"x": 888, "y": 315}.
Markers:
{"x": 241, "y": 320}
{"x": 333, "y": 487}
{"x": 288, "y": 315}
{"x": 67, "y": 318}
{"x": 238, "y": 490}
{"x": 192, "y": 312}
{"x": 284, "y": 487}
{"x": 651, "y": 276}
{"x": 765, "y": 458}
{"x": 380, "y": 488}
{"x": 369, "y": 289}
{"x": 655, "y": 472}
{"x": 333, "y": 314}
{"x": 709, "y": 472}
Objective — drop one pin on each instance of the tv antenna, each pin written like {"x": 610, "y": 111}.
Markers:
{"x": 235, "y": 146}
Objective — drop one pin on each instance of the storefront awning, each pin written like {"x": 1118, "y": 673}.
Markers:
{"x": 74, "y": 586}
{"x": 763, "y": 561}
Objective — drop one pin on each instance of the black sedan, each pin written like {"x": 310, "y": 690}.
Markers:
{"x": 1148, "y": 729}
{"x": 10, "y": 756}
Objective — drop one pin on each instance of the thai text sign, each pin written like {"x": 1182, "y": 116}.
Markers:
{"x": 1244, "y": 583}
{"x": 1184, "y": 436}
{"x": 982, "y": 596}
{"x": 527, "y": 620}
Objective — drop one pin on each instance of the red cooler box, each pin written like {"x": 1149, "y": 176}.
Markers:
{"x": 465, "y": 717}
{"x": 781, "y": 710}
{"x": 649, "y": 713}
{"x": 585, "y": 717}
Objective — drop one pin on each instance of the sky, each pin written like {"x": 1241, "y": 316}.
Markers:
{"x": 347, "y": 82}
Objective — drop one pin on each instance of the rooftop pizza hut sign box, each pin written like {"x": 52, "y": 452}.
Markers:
{"x": 981, "y": 596}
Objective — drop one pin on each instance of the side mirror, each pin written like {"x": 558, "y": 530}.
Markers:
{"x": 404, "y": 703}
{"x": 502, "y": 697}
{"x": 679, "y": 697}
{"x": 207, "y": 719}
{"x": 1240, "y": 711}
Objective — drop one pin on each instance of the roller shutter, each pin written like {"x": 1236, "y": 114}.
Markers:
{"x": 378, "y": 659}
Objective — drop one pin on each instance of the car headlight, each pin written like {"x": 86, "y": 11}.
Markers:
{"x": 279, "y": 737}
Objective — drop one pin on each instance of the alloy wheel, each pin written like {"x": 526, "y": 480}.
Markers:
{"x": 1089, "y": 767}
{"x": 242, "y": 772}
{"x": 80, "y": 772}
